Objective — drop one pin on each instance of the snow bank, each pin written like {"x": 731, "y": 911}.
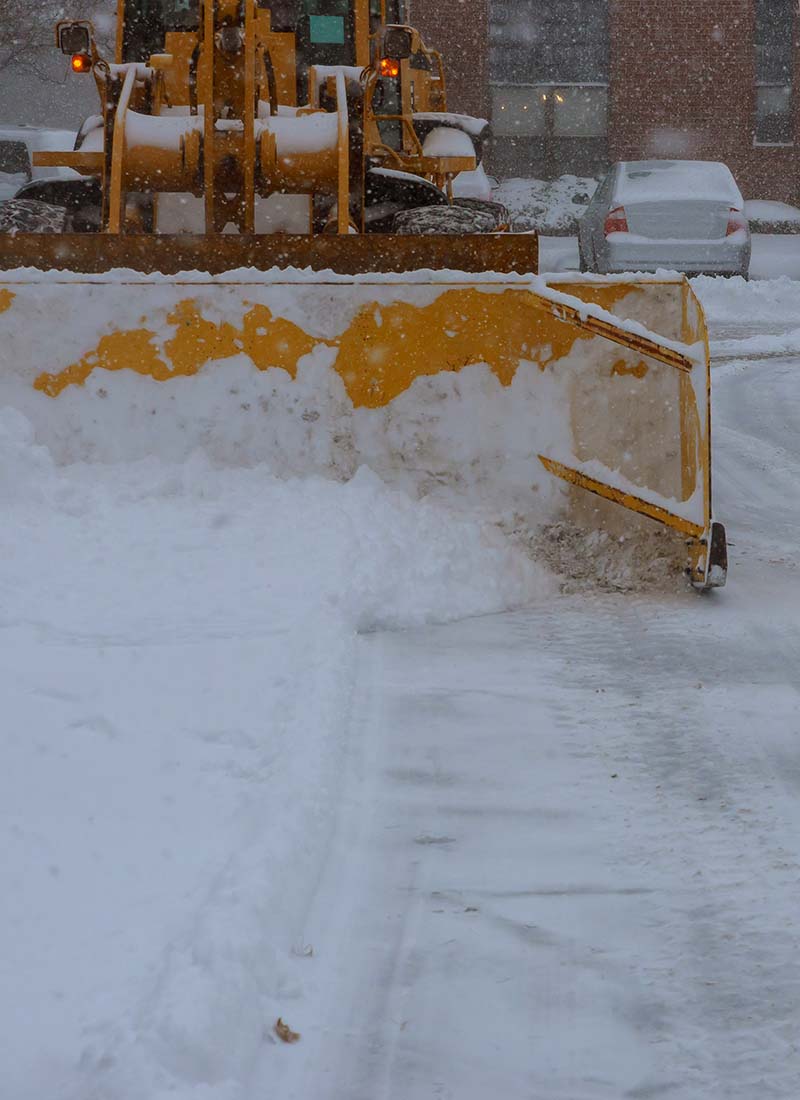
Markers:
{"x": 767, "y": 216}
{"x": 548, "y": 206}
{"x": 738, "y": 301}
{"x": 775, "y": 256}
{"x": 761, "y": 346}
{"x": 177, "y": 660}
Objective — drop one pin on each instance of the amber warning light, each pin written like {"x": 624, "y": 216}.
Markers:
{"x": 389, "y": 67}
{"x": 81, "y": 63}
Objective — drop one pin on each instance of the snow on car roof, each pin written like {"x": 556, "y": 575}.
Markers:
{"x": 656, "y": 180}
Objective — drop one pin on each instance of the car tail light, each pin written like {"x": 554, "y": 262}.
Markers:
{"x": 736, "y": 221}
{"x": 616, "y": 222}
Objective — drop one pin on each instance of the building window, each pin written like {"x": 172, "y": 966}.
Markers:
{"x": 548, "y": 41}
{"x": 517, "y": 112}
{"x": 774, "y": 72}
{"x": 580, "y": 111}
{"x": 557, "y": 111}
{"x": 549, "y": 67}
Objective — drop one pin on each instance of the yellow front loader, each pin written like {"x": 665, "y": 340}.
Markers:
{"x": 268, "y": 187}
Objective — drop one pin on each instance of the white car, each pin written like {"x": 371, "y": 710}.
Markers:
{"x": 682, "y": 215}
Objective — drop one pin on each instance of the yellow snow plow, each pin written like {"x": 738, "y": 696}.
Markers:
{"x": 263, "y": 255}
{"x": 508, "y": 386}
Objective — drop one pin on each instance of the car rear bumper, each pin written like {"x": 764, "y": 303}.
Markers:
{"x": 695, "y": 258}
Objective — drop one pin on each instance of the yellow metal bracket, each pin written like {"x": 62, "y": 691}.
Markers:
{"x": 619, "y": 496}
{"x": 92, "y": 162}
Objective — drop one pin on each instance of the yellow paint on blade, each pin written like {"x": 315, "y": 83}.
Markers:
{"x": 268, "y": 341}
{"x": 6, "y": 298}
{"x": 380, "y": 354}
{"x": 621, "y": 369}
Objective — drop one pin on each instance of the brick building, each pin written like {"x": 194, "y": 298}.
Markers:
{"x": 572, "y": 85}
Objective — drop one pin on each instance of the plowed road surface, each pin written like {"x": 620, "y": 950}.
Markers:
{"x": 568, "y": 863}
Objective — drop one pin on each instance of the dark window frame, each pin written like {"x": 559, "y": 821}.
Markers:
{"x": 774, "y": 49}
{"x": 566, "y": 48}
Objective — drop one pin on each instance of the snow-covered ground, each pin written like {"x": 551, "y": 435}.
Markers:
{"x": 179, "y": 647}
{"x": 324, "y": 752}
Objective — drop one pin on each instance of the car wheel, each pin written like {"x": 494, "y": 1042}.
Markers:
{"x": 494, "y": 210}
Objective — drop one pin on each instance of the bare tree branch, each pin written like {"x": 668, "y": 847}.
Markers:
{"x": 27, "y": 28}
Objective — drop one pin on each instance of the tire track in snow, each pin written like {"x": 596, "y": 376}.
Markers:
{"x": 614, "y": 913}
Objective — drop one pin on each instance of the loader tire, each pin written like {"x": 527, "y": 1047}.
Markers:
{"x": 494, "y": 210}
{"x": 31, "y": 216}
{"x": 435, "y": 220}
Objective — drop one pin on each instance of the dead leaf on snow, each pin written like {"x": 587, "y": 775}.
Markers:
{"x": 285, "y": 1033}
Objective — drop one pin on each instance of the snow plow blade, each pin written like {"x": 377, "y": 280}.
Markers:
{"x": 357, "y": 254}
{"x": 520, "y": 389}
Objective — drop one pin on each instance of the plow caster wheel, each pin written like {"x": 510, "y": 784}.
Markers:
{"x": 717, "y": 557}
{"x": 716, "y": 568}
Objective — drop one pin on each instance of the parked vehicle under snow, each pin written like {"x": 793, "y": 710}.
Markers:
{"x": 679, "y": 215}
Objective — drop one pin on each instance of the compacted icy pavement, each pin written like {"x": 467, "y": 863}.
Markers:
{"x": 549, "y": 854}
{"x": 568, "y": 863}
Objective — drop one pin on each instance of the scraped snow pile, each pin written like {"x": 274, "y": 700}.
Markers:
{"x": 748, "y": 304}
{"x": 177, "y": 661}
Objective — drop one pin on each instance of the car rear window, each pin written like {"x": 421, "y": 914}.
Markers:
{"x": 664, "y": 180}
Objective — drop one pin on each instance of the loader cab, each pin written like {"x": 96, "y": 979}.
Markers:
{"x": 146, "y": 23}
{"x": 325, "y": 34}
{"x": 326, "y": 31}
{"x": 386, "y": 11}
